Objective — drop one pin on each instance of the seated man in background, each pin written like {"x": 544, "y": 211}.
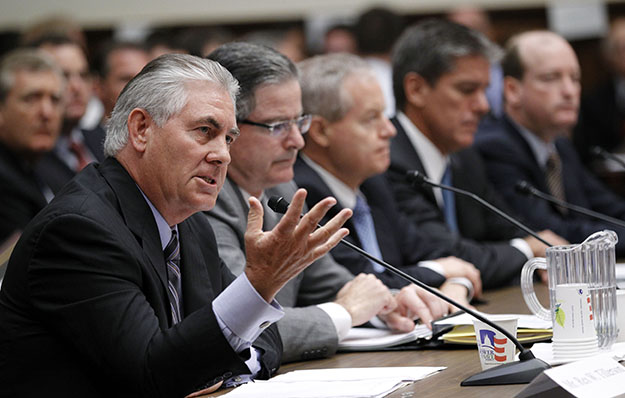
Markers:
{"x": 347, "y": 148}
{"x": 440, "y": 74}
{"x": 116, "y": 288}
{"x": 115, "y": 65}
{"x": 31, "y": 110}
{"x": 76, "y": 147}
{"x": 542, "y": 91}
{"x": 269, "y": 115}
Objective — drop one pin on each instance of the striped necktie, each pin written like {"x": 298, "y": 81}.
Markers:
{"x": 174, "y": 285}
{"x": 553, "y": 175}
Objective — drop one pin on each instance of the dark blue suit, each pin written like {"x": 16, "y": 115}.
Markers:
{"x": 484, "y": 236}
{"x": 510, "y": 159}
{"x": 400, "y": 243}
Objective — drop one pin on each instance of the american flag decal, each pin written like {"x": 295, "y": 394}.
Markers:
{"x": 488, "y": 340}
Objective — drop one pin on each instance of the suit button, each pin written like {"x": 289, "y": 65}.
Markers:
{"x": 227, "y": 375}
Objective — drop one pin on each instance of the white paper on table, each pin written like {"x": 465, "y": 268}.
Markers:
{"x": 358, "y": 339}
{"x": 525, "y": 321}
{"x": 334, "y": 383}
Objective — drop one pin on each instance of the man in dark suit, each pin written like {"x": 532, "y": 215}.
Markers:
{"x": 347, "y": 148}
{"x": 31, "y": 111}
{"x": 440, "y": 72}
{"x": 76, "y": 146}
{"x": 326, "y": 300}
{"x": 117, "y": 288}
{"x": 602, "y": 110}
{"x": 542, "y": 91}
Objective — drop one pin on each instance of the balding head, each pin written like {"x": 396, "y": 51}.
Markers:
{"x": 542, "y": 83}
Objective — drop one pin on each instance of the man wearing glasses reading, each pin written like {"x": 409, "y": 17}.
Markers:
{"x": 326, "y": 300}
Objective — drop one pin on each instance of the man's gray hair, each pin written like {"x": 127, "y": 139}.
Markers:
{"x": 161, "y": 90}
{"x": 322, "y": 79}
{"x": 253, "y": 65}
{"x": 430, "y": 49}
{"x": 24, "y": 59}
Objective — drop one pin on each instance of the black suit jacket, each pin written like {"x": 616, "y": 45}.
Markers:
{"x": 21, "y": 197}
{"x": 601, "y": 121}
{"x": 84, "y": 309}
{"x": 400, "y": 243}
{"x": 56, "y": 173}
{"x": 510, "y": 159}
{"x": 483, "y": 236}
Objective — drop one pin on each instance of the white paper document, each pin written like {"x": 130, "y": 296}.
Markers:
{"x": 361, "y": 339}
{"x": 335, "y": 383}
{"x": 600, "y": 375}
{"x": 525, "y": 321}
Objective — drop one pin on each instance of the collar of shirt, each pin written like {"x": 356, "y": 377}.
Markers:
{"x": 164, "y": 230}
{"x": 434, "y": 162}
{"x": 343, "y": 194}
{"x": 541, "y": 149}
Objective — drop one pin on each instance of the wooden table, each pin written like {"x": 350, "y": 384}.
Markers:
{"x": 460, "y": 363}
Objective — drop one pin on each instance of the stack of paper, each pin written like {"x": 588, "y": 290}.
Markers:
{"x": 333, "y": 383}
{"x": 368, "y": 339}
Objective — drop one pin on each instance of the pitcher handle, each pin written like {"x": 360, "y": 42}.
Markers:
{"x": 527, "y": 287}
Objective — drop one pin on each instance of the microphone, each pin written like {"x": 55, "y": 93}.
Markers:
{"x": 605, "y": 155}
{"x": 526, "y": 188}
{"x": 521, "y": 372}
{"x": 416, "y": 177}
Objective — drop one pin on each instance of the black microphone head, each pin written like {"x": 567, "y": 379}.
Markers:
{"x": 599, "y": 152}
{"x": 278, "y": 204}
{"x": 415, "y": 177}
{"x": 523, "y": 187}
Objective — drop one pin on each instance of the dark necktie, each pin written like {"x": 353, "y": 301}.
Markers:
{"x": 80, "y": 151}
{"x": 363, "y": 224}
{"x": 449, "y": 202}
{"x": 553, "y": 175}
{"x": 174, "y": 285}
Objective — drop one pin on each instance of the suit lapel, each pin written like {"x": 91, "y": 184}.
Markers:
{"x": 197, "y": 290}
{"x": 405, "y": 158}
{"x": 137, "y": 215}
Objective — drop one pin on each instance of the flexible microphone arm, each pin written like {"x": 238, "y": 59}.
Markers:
{"x": 415, "y": 177}
{"x": 605, "y": 155}
{"x": 532, "y": 369}
{"x": 526, "y": 188}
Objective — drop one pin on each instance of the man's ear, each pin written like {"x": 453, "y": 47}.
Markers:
{"x": 416, "y": 89}
{"x": 140, "y": 124}
{"x": 319, "y": 132}
{"x": 513, "y": 91}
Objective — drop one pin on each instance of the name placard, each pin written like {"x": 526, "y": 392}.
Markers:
{"x": 585, "y": 378}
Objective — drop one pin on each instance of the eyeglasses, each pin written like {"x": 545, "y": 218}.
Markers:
{"x": 281, "y": 129}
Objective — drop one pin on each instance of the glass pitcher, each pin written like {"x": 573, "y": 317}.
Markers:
{"x": 592, "y": 262}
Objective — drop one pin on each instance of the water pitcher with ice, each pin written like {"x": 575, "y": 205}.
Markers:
{"x": 591, "y": 262}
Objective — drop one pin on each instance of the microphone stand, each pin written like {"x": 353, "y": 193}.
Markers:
{"x": 418, "y": 178}
{"x": 521, "y": 372}
{"x": 526, "y": 188}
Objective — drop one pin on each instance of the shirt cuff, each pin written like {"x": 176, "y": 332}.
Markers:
{"x": 464, "y": 282}
{"x": 243, "y": 311}
{"x": 434, "y": 266}
{"x": 522, "y": 246}
{"x": 340, "y": 317}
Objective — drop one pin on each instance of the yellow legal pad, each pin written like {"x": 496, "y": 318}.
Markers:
{"x": 465, "y": 334}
